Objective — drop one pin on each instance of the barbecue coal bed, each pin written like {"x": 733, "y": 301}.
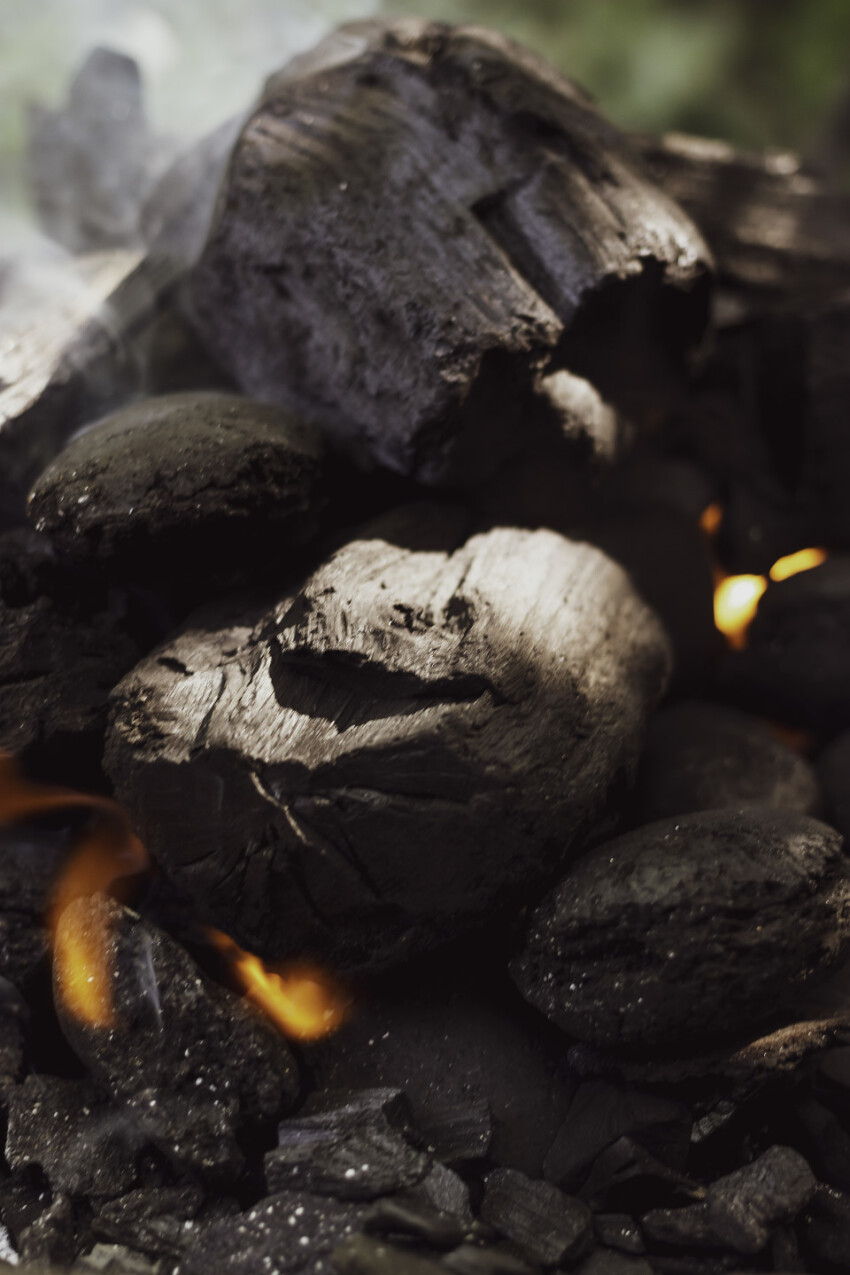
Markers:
{"x": 424, "y": 686}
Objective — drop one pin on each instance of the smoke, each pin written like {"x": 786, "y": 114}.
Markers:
{"x": 202, "y": 61}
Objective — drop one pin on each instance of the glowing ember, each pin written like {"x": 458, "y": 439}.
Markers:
{"x": 711, "y": 518}
{"x": 802, "y": 560}
{"x": 736, "y": 600}
{"x": 303, "y": 1001}
{"x": 109, "y": 851}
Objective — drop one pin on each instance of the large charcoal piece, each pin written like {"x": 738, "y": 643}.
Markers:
{"x": 702, "y": 756}
{"x": 66, "y": 637}
{"x": 413, "y": 218}
{"x": 195, "y": 1068}
{"x": 693, "y": 926}
{"x": 415, "y": 738}
{"x": 183, "y": 487}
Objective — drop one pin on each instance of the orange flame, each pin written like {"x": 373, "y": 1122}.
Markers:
{"x": 304, "y": 1001}
{"x": 792, "y": 563}
{"x": 710, "y": 519}
{"x": 109, "y": 851}
{"x": 736, "y": 600}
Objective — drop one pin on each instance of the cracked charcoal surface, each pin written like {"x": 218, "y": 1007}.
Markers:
{"x": 181, "y": 484}
{"x": 415, "y": 334}
{"x": 353, "y": 1152}
{"x": 549, "y": 1226}
{"x": 196, "y": 1068}
{"x": 84, "y": 1143}
{"x": 740, "y": 1211}
{"x": 702, "y": 756}
{"x": 323, "y": 785}
{"x": 291, "y": 1231}
{"x": 66, "y": 638}
{"x": 158, "y": 1220}
{"x": 688, "y": 928}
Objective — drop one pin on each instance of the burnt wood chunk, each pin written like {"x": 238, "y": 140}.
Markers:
{"x": 778, "y": 234}
{"x": 195, "y": 1067}
{"x": 549, "y": 1227}
{"x": 695, "y": 926}
{"x": 182, "y": 487}
{"x": 740, "y": 1211}
{"x": 83, "y": 1142}
{"x": 702, "y": 756}
{"x": 66, "y": 638}
{"x": 416, "y": 221}
{"x": 326, "y": 784}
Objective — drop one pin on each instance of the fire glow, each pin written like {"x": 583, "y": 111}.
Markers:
{"x": 736, "y": 598}
{"x": 303, "y": 1001}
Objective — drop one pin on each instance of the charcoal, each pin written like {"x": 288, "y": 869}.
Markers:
{"x": 69, "y": 351}
{"x": 14, "y": 1018}
{"x": 362, "y": 1255}
{"x": 824, "y": 1226}
{"x": 626, "y": 1176}
{"x": 158, "y": 1220}
{"x": 352, "y": 1153}
{"x": 451, "y": 1039}
{"x": 84, "y": 1144}
{"x": 741, "y": 1210}
{"x": 183, "y": 485}
{"x": 51, "y": 1238}
{"x": 66, "y": 638}
{"x": 195, "y": 1067}
{"x": 414, "y": 1220}
{"x": 92, "y": 162}
{"x": 618, "y": 1231}
{"x": 489, "y": 1259}
{"x": 796, "y": 665}
{"x": 24, "y": 1197}
{"x": 778, "y": 234}
{"x": 687, "y": 928}
{"x": 833, "y": 769}
{"x": 702, "y": 756}
{"x": 460, "y": 211}
{"x": 291, "y": 1231}
{"x": 444, "y": 1191}
{"x": 549, "y": 1227}
{"x": 407, "y": 697}
{"x": 824, "y": 1142}
{"x": 600, "y": 1114}
{"x": 463, "y": 1130}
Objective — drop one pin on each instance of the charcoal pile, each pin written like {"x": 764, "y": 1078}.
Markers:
{"x": 424, "y": 687}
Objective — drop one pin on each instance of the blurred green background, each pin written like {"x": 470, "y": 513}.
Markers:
{"x": 760, "y": 72}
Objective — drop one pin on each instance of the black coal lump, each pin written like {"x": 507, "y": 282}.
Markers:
{"x": 688, "y": 928}
{"x": 739, "y": 1211}
{"x": 355, "y": 1151}
{"x": 702, "y": 756}
{"x": 444, "y": 1190}
{"x": 411, "y": 1219}
{"x": 603, "y": 1112}
{"x": 824, "y": 1226}
{"x": 85, "y": 1143}
{"x": 161, "y": 1220}
{"x": 196, "y": 1066}
{"x": 618, "y": 1231}
{"x": 184, "y": 483}
{"x": 549, "y": 1226}
{"x": 288, "y": 1232}
{"x": 66, "y": 637}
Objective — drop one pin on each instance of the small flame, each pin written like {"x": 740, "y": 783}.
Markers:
{"x": 304, "y": 1001}
{"x": 109, "y": 851}
{"x": 736, "y": 600}
{"x": 792, "y": 563}
{"x": 710, "y": 519}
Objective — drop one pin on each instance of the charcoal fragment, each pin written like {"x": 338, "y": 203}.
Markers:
{"x": 549, "y": 1227}
{"x": 687, "y": 928}
{"x": 413, "y": 1220}
{"x": 824, "y": 1142}
{"x": 458, "y": 1131}
{"x": 194, "y": 1065}
{"x": 444, "y": 1190}
{"x": 85, "y": 1144}
{"x": 157, "y": 1220}
{"x": 355, "y": 1152}
{"x": 740, "y": 1211}
{"x": 362, "y": 1255}
{"x": 291, "y": 1231}
{"x": 824, "y": 1226}
{"x": 702, "y": 756}
{"x": 494, "y": 241}
{"x": 51, "y": 1238}
{"x": 627, "y": 1176}
{"x": 182, "y": 484}
{"x": 374, "y": 731}
{"x": 619, "y": 1231}
{"x": 600, "y": 1114}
